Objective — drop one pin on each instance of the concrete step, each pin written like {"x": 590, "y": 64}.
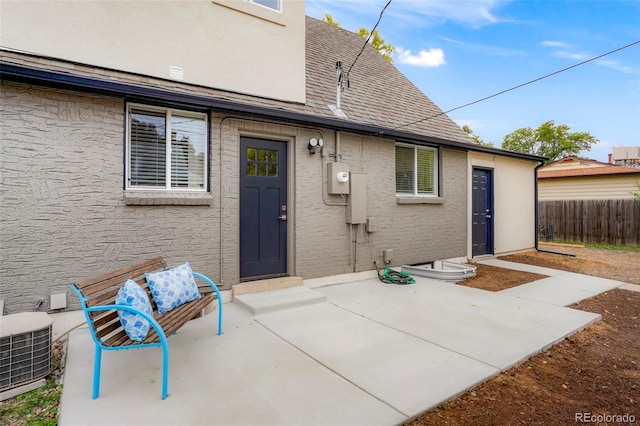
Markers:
{"x": 277, "y": 300}
{"x": 266, "y": 285}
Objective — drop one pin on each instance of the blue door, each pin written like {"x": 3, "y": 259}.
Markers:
{"x": 263, "y": 208}
{"x": 482, "y": 211}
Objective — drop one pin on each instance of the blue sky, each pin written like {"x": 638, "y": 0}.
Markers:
{"x": 458, "y": 51}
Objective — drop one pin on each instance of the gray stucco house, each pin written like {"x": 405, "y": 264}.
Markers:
{"x": 203, "y": 144}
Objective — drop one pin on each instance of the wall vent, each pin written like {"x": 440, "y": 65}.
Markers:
{"x": 176, "y": 73}
{"x": 25, "y": 348}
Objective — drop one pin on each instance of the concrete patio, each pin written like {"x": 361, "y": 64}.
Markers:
{"x": 357, "y": 353}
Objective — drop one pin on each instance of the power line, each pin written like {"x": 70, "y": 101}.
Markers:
{"x": 518, "y": 86}
{"x": 370, "y": 34}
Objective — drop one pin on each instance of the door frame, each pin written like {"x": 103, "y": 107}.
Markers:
{"x": 491, "y": 227}
{"x": 291, "y": 214}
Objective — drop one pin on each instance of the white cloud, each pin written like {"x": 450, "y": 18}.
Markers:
{"x": 615, "y": 65}
{"x": 473, "y": 13}
{"x": 425, "y": 58}
{"x": 484, "y": 48}
{"x": 552, "y": 43}
{"x": 562, "y": 50}
{"x": 569, "y": 55}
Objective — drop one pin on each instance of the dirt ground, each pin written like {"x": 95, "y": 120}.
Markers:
{"x": 612, "y": 264}
{"x": 590, "y": 377}
{"x": 492, "y": 278}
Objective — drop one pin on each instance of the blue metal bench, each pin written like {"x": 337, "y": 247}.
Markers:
{"x": 97, "y": 297}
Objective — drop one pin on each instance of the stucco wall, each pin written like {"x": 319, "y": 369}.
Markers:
{"x": 63, "y": 215}
{"x": 514, "y": 201}
{"x": 149, "y": 37}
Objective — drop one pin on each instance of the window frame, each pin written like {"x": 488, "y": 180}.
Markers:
{"x": 436, "y": 172}
{"x": 169, "y": 112}
{"x": 279, "y": 9}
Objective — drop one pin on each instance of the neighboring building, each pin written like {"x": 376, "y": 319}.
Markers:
{"x": 186, "y": 129}
{"x": 574, "y": 178}
{"x": 626, "y": 156}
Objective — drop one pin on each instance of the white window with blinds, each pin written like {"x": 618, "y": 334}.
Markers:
{"x": 166, "y": 149}
{"x": 416, "y": 171}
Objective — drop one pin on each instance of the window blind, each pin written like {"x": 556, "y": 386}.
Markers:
{"x": 416, "y": 170}
{"x": 159, "y": 161}
{"x": 188, "y": 145}
{"x": 404, "y": 170}
{"x": 426, "y": 171}
{"x": 147, "y": 149}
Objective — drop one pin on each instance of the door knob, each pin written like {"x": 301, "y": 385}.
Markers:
{"x": 282, "y": 217}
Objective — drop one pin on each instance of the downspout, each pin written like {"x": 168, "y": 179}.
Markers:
{"x": 536, "y": 210}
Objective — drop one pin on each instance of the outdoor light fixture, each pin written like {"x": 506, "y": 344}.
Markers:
{"x": 315, "y": 143}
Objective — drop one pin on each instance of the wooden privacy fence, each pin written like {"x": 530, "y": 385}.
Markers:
{"x": 590, "y": 221}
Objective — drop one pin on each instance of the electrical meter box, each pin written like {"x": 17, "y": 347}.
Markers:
{"x": 357, "y": 200}
{"x": 337, "y": 179}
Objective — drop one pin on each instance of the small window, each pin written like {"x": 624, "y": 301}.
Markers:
{"x": 271, "y": 4}
{"x": 166, "y": 149}
{"x": 416, "y": 171}
{"x": 262, "y": 162}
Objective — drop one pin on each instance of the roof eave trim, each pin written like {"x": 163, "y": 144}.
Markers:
{"x": 118, "y": 89}
{"x": 632, "y": 174}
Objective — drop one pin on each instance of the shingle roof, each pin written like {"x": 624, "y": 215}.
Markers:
{"x": 379, "y": 93}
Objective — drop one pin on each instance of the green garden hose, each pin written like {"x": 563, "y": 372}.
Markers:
{"x": 391, "y": 276}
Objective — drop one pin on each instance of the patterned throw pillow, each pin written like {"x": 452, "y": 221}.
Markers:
{"x": 131, "y": 294}
{"x": 173, "y": 287}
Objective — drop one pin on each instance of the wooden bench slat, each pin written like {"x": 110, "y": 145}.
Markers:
{"x": 169, "y": 322}
{"x": 108, "y": 329}
{"x": 106, "y": 298}
{"x": 118, "y": 339}
{"x": 189, "y": 312}
{"x": 105, "y": 318}
{"x": 117, "y": 279}
{"x": 158, "y": 262}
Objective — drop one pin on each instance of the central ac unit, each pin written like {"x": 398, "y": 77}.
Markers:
{"x": 25, "y": 348}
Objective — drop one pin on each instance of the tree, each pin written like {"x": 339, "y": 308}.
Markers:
{"x": 329, "y": 20}
{"x": 477, "y": 139}
{"x": 549, "y": 140}
{"x": 377, "y": 42}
